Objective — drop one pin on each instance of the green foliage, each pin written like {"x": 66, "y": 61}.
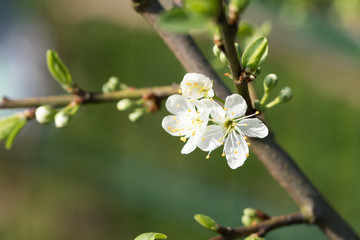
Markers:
{"x": 58, "y": 69}
{"x": 255, "y": 54}
{"x": 151, "y": 236}
{"x": 202, "y": 8}
{"x": 206, "y": 222}
{"x": 10, "y": 128}
{"x": 248, "y": 32}
{"x": 178, "y": 20}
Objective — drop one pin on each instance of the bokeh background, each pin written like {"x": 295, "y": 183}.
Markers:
{"x": 104, "y": 177}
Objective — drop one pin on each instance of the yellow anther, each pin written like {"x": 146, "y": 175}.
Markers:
{"x": 219, "y": 117}
{"x": 211, "y": 99}
{"x": 219, "y": 140}
{"x": 189, "y": 84}
{"x": 223, "y": 154}
{"x": 174, "y": 117}
{"x": 183, "y": 139}
{"x": 190, "y": 100}
{"x": 177, "y": 105}
{"x": 257, "y": 112}
{"x": 213, "y": 120}
{"x": 193, "y": 122}
{"x": 208, "y": 128}
{"x": 222, "y": 143}
{"x": 225, "y": 109}
{"x": 238, "y": 143}
{"x": 178, "y": 121}
{"x": 195, "y": 84}
{"x": 174, "y": 130}
{"x": 203, "y": 139}
{"x": 197, "y": 111}
{"x": 169, "y": 128}
{"x": 179, "y": 91}
{"x": 235, "y": 152}
{"x": 179, "y": 133}
{"x": 193, "y": 133}
{"x": 208, "y": 156}
{"x": 246, "y": 125}
{"x": 245, "y": 137}
{"x": 189, "y": 110}
{"x": 247, "y": 155}
{"x": 232, "y": 113}
{"x": 248, "y": 144}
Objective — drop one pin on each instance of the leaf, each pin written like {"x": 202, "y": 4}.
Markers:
{"x": 255, "y": 54}
{"x": 178, "y": 20}
{"x": 151, "y": 236}
{"x": 58, "y": 69}
{"x": 202, "y": 8}
{"x": 206, "y": 222}
{"x": 10, "y": 127}
{"x": 15, "y": 131}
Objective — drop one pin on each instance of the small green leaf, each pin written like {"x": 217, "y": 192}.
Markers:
{"x": 15, "y": 131}
{"x": 10, "y": 127}
{"x": 178, "y": 20}
{"x": 255, "y": 54}
{"x": 206, "y": 222}
{"x": 151, "y": 236}
{"x": 202, "y": 8}
{"x": 58, "y": 69}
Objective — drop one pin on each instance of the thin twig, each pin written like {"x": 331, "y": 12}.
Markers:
{"x": 262, "y": 228}
{"x": 89, "y": 97}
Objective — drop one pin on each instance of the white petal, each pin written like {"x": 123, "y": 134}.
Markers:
{"x": 176, "y": 126}
{"x": 177, "y": 104}
{"x": 210, "y": 138}
{"x": 210, "y": 93}
{"x": 236, "y": 150}
{"x": 216, "y": 111}
{"x": 235, "y": 105}
{"x": 190, "y": 144}
{"x": 253, "y": 127}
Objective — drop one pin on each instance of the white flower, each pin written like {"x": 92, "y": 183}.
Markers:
{"x": 196, "y": 86}
{"x": 45, "y": 114}
{"x": 188, "y": 122}
{"x": 62, "y": 119}
{"x": 230, "y": 129}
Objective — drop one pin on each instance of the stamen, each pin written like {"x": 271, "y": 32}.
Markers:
{"x": 248, "y": 144}
{"x": 208, "y": 156}
{"x": 223, "y": 154}
{"x": 179, "y": 91}
{"x": 183, "y": 139}
{"x": 235, "y": 152}
{"x": 174, "y": 117}
{"x": 238, "y": 143}
{"x": 245, "y": 137}
{"x": 203, "y": 139}
{"x": 193, "y": 133}
{"x": 246, "y": 125}
{"x": 195, "y": 84}
{"x": 179, "y": 133}
{"x": 178, "y": 121}
{"x": 189, "y": 84}
{"x": 189, "y": 110}
{"x": 232, "y": 113}
{"x": 247, "y": 155}
{"x": 225, "y": 109}
{"x": 177, "y": 105}
{"x": 257, "y": 112}
{"x": 211, "y": 99}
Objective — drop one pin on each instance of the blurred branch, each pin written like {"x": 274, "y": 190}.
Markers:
{"x": 89, "y": 97}
{"x": 261, "y": 228}
{"x": 279, "y": 164}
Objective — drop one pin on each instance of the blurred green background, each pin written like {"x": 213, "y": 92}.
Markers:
{"x": 106, "y": 178}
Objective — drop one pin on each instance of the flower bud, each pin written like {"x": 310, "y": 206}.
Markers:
{"x": 137, "y": 115}
{"x": 254, "y": 238}
{"x": 285, "y": 95}
{"x": 250, "y": 212}
{"x": 216, "y": 51}
{"x": 62, "y": 119}
{"x": 124, "y": 104}
{"x": 45, "y": 114}
{"x": 270, "y": 82}
{"x": 206, "y": 221}
{"x": 246, "y": 220}
{"x": 223, "y": 58}
{"x": 113, "y": 84}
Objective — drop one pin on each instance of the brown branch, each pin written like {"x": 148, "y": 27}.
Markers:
{"x": 279, "y": 164}
{"x": 262, "y": 228}
{"x": 88, "y": 97}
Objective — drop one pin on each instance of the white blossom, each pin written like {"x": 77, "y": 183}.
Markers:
{"x": 189, "y": 120}
{"x": 230, "y": 128}
{"x": 196, "y": 86}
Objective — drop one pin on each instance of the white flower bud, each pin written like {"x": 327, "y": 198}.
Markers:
{"x": 196, "y": 86}
{"x": 124, "y": 104}
{"x": 45, "y": 114}
{"x": 62, "y": 119}
{"x": 113, "y": 84}
{"x": 137, "y": 115}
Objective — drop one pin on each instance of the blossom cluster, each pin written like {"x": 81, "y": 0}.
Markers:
{"x": 201, "y": 122}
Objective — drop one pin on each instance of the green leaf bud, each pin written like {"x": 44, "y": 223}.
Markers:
{"x": 254, "y": 54}
{"x": 137, "y": 115}
{"x": 58, "y": 70}
{"x": 113, "y": 84}
{"x": 124, "y": 104}
{"x": 250, "y": 212}
{"x": 223, "y": 58}
{"x": 216, "y": 51}
{"x": 285, "y": 95}
{"x": 45, "y": 114}
{"x": 151, "y": 236}
{"x": 254, "y": 238}
{"x": 202, "y": 8}
{"x": 206, "y": 222}
{"x": 270, "y": 82}
{"x": 238, "y": 6}
{"x": 62, "y": 119}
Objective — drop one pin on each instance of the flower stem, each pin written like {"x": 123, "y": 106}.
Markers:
{"x": 218, "y": 99}
{"x": 264, "y": 98}
{"x": 273, "y": 103}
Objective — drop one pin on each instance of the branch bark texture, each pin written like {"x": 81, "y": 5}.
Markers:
{"x": 279, "y": 164}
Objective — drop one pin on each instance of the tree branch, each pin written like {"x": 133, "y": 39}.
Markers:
{"x": 262, "y": 228}
{"x": 279, "y": 164}
{"x": 89, "y": 97}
